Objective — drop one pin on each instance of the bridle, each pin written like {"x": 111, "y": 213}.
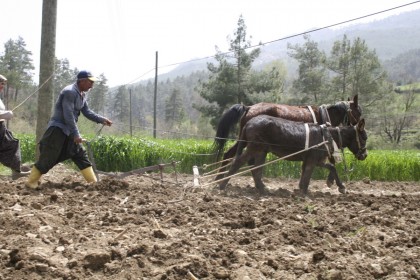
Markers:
{"x": 361, "y": 149}
{"x": 359, "y": 152}
{"x": 348, "y": 119}
{"x": 350, "y": 115}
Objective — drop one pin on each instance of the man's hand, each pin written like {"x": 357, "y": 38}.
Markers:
{"x": 78, "y": 139}
{"x": 107, "y": 122}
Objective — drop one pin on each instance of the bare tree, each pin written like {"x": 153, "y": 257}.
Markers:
{"x": 402, "y": 118}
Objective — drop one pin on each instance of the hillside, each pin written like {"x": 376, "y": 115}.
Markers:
{"x": 390, "y": 37}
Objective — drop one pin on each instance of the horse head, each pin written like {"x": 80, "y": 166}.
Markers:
{"x": 358, "y": 147}
{"x": 345, "y": 112}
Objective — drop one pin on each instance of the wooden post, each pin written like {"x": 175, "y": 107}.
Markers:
{"x": 46, "y": 69}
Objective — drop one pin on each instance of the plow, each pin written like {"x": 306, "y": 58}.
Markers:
{"x": 202, "y": 181}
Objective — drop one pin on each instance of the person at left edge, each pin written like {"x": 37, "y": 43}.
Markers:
{"x": 62, "y": 140}
{"x": 10, "y": 155}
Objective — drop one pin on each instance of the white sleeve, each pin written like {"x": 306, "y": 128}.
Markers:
{"x": 6, "y": 115}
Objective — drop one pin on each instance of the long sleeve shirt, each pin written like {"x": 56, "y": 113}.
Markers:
{"x": 70, "y": 103}
{"x": 4, "y": 114}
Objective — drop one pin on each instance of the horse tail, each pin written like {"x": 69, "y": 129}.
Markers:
{"x": 227, "y": 121}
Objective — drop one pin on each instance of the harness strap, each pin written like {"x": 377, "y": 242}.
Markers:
{"x": 307, "y": 136}
{"x": 312, "y": 113}
{"x": 325, "y": 132}
{"x": 325, "y": 115}
{"x": 340, "y": 141}
{"x": 357, "y": 137}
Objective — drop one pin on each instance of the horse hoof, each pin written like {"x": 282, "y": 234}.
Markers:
{"x": 300, "y": 192}
{"x": 218, "y": 177}
{"x": 330, "y": 183}
{"x": 342, "y": 190}
{"x": 263, "y": 191}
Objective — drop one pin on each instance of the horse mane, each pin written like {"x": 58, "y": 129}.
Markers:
{"x": 226, "y": 123}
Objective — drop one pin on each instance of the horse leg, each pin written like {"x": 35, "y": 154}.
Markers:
{"x": 238, "y": 161}
{"x": 305, "y": 177}
{"x": 334, "y": 176}
{"x": 231, "y": 152}
{"x": 258, "y": 172}
{"x": 330, "y": 179}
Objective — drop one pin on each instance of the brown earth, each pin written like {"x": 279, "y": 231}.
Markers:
{"x": 138, "y": 228}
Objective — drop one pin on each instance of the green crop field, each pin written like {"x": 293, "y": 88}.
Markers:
{"x": 129, "y": 153}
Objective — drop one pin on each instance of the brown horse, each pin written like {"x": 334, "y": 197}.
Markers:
{"x": 343, "y": 112}
{"x": 263, "y": 134}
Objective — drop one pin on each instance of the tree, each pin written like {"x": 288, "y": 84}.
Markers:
{"x": 174, "y": 111}
{"x": 400, "y": 115}
{"x": 367, "y": 74}
{"x": 16, "y": 64}
{"x": 339, "y": 63}
{"x": 311, "y": 81}
{"x": 97, "y": 95}
{"x": 229, "y": 80}
{"x": 121, "y": 104}
{"x": 63, "y": 76}
{"x": 269, "y": 84}
{"x": 404, "y": 68}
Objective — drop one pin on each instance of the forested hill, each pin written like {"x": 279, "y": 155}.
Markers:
{"x": 390, "y": 37}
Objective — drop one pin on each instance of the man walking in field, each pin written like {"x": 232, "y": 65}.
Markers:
{"x": 9, "y": 145}
{"x": 62, "y": 140}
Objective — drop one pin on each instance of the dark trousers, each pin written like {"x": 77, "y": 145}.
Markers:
{"x": 57, "y": 147}
{"x": 9, "y": 148}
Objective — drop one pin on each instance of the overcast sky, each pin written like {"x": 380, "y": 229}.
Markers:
{"x": 120, "y": 37}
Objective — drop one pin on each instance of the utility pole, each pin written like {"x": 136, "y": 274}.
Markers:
{"x": 46, "y": 68}
{"x": 155, "y": 97}
{"x": 131, "y": 118}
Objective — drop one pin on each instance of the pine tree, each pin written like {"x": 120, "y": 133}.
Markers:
{"x": 97, "y": 95}
{"x": 174, "y": 112}
{"x": 17, "y": 65}
{"x": 121, "y": 105}
{"x": 310, "y": 84}
{"x": 229, "y": 80}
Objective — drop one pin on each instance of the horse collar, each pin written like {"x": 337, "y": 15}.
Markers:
{"x": 325, "y": 116}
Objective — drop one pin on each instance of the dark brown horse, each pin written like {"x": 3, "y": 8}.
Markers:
{"x": 263, "y": 134}
{"x": 343, "y": 112}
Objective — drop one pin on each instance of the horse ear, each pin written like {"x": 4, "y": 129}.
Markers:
{"x": 361, "y": 125}
{"x": 356, "y": 99}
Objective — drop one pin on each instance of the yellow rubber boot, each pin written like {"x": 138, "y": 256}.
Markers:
{"x": 33, "y": 178}
{"x": 89, "y": 175}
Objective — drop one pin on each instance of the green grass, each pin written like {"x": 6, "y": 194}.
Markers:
{"x": 126, "y": 153}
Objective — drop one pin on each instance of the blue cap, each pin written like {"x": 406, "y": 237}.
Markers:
{"x": 86, "y": 75}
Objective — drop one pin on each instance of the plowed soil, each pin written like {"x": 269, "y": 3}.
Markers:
{"x": 141, "y": 228}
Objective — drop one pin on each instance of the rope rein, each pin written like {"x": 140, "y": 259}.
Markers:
{"x": 26, "y": 99}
